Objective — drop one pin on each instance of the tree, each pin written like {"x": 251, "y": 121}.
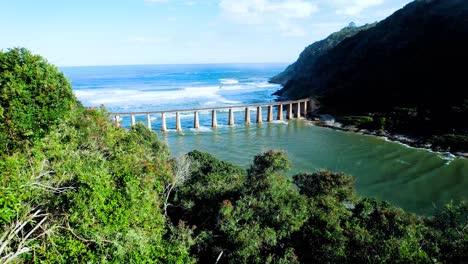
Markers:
{"x": 34, "y": 96}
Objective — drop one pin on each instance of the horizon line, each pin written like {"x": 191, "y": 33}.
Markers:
{"x": 163, "y": 64}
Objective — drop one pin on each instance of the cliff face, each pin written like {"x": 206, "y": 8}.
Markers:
{"x": 410, "y": 66}
{"x": 310, "y": 54}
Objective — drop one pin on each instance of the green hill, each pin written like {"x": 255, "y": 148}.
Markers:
{"x": 408, "y": 69}
{"x": 305, "y": 61}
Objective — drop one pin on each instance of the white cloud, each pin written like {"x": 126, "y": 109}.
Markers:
{"x": 278, "y": 13}
{"x": 354, "y": 7}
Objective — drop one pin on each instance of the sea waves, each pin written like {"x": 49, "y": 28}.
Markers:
{"x": 227, "y": 92}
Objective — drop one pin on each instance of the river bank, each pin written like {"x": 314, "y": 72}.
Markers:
{"x": 412, "y": 141}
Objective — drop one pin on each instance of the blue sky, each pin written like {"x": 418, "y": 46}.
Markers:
{"x": 119, "y": 32}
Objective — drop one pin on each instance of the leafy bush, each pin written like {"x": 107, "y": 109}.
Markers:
{"x": 258, "y": 226}
{"x": 357, "y": 121}
{"x": 34, "y": 96}
{"x": 100, "y": 189}
{"x": 447, "y": 234}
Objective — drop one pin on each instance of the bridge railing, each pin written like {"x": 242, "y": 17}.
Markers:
{"x": 300, "y": 107}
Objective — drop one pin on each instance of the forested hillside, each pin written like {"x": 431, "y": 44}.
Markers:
{"x": 405, "y": 74}
{"x": 307, "y": 58}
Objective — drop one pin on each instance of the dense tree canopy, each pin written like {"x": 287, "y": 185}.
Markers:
{"x": 34, "y": 96}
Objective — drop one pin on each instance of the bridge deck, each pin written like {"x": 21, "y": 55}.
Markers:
{"x": 212, "y": 108}
{"x": 300, "y": 105}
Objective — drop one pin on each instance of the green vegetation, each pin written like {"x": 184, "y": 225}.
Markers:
{"x": 315, "y": 51}
{"x": 89, "y": 191}
{"x": 34, "y": 96}
{"x": 404, "y": 69}
{"x": 98, "y": 193}
{"x": 367, "y": 122}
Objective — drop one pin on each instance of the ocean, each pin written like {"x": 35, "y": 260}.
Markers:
{"x": 414, "y": 179}
{"x": 165, "y": 87}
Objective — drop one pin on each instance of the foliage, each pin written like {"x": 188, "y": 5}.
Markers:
{"x": 447, "y": 234}
{"x": 211, "y": 181}
{"x": 101, "y": 188}
{"x": 314, "y": 52}
{"x": 34, "y": 96}
{"x": 259, "y": 224}
{"x": 366, "y": 122}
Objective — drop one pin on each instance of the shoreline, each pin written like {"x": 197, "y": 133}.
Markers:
{"x": 328, "y": 121}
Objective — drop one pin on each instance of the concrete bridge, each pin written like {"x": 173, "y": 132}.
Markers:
{"x": 294, "y": 109}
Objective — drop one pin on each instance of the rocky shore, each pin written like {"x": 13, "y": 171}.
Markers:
{"x": 416, "y": 142}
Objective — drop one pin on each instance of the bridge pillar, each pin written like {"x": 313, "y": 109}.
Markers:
{"x": 280, "y": 112}
{"x": 259, "y": 114}
{"x": 305, "y": 108}
{"x": 196, "y": 123}
{"x": 117, "y": 120}
{"x": 247, "y": 115}
{"x": 290, "y": 112}
{"x": 133, "y": 120}
{"x": 270, "y": 114}
{"x": 214, "y": 122}
{"x": 231, "y": 117}
{"x": 163, "y": 122}
{"x": 148, "y": 121}
{"x": 178, "y": 126}
{"x": 298, "y": 111}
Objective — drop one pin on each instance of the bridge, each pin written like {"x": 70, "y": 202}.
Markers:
{"x": 294, "y": 109}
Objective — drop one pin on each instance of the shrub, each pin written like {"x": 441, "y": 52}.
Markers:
{"x": 34, "y": 96}
{"x": 357, "y": 121}
{"x": 102, "y": 197}
{"x": 447, "y": 235}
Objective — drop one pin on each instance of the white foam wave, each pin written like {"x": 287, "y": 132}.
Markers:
{"x": 124, "y": 97}
{"x": 229, "y": 81}
{"x": 201, "y": 129}
{"x": 226, "y": 101}
{"x": 234, "y": 87}
{"x": 249, "y": 86}
{"x": 280, "y": 122}
{"x": 265, "y": 85}
{"x": 448, "y": 157}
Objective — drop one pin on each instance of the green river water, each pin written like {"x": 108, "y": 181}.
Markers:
{"x": 413, "y": 179}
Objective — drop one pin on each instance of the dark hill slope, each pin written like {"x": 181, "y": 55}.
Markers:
{"x": 412, "y": 64}
{"x": 310, "y": 54}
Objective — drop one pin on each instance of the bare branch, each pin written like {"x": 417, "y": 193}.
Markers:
{"x": 181, "y": 175}
{"x": 219, "y": 256}
{"x": 14, "y": 235}
{"x": 47, "y": 173}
